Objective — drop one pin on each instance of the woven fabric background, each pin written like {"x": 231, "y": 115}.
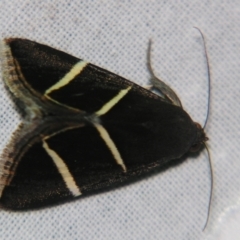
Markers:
{"x": 114, "y": 35}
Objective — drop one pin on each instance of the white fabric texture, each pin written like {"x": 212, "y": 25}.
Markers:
{"x": 114, "y": 35}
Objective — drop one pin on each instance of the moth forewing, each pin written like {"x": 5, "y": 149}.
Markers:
{"x": 84, "y": 128}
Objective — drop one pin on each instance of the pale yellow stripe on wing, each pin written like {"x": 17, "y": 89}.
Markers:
{"x": 110, "y": 144}
{"x": 105, "y": 108}
{"x": 76, "y": 69}
{"x": 63, "y": 170}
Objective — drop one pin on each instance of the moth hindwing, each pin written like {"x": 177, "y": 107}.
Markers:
{"x": 84, "y": 128}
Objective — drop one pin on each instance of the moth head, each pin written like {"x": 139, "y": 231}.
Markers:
{"x": 200, "y": 139}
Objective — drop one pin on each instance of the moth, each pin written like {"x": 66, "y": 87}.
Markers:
{"x": 83, "y": 129}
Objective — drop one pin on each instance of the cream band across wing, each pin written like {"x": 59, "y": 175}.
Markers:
{"x": 63, "y": 170}
{"x": 76, "y": 70}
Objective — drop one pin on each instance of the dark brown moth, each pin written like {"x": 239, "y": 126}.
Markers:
{"x": 84, "y": 128}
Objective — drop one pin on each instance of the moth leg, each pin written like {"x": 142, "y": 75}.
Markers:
{"x": 148, "y": 87}
{"x": 167, "y": 93}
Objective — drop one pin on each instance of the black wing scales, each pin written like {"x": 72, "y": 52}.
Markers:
{"x": 138, "y": 125}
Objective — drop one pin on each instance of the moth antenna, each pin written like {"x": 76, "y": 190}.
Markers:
{"x": 209, "y": 76}
{"x": 211, "y": 188}
{"x": 204, "y": 126}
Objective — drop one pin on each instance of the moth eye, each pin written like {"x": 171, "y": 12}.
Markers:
{"x": 195, "y": 147}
